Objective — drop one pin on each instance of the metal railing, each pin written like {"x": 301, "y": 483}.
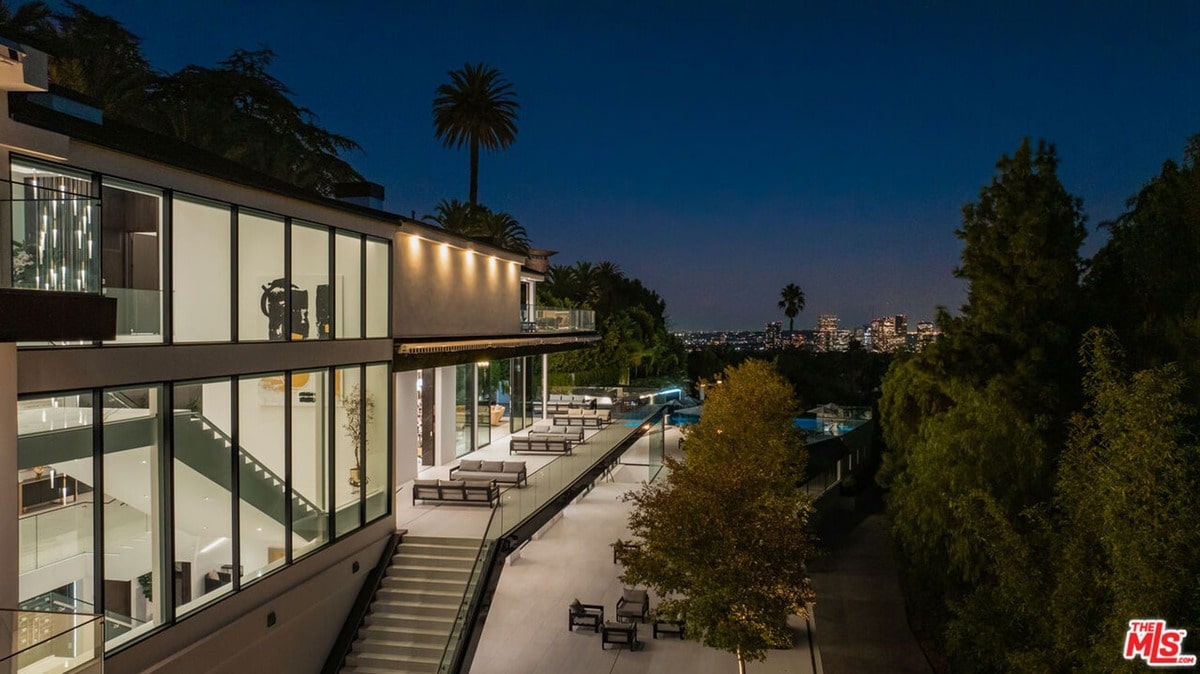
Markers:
{"x": 37, "y": 641}
{"x": 519, "y": 504}
{"x": 558, "y": 320}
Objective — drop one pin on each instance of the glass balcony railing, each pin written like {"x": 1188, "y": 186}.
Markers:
{"x": 32, "y": 642}
{"x": 558, "y": 320}
{"x": 139, "y": 314}
{"x": 519, "y": 504}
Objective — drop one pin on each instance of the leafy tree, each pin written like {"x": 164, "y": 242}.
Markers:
{"x": 477, "y": 108}
{"x": 237, "y": 110}
{"x": 725, "y": 538}
{"x": 791, "y": 301}
{"x": 1144, "y": 282}
{"x": 974, "y": 423}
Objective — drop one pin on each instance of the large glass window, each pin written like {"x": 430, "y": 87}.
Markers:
{"x": 54, "y": 229}
{"x": 376, "y": 436}
{"x": 311, "y": 310}
{"x": 263, "y": 297}
{"x": 486, "y": 397}
{"x": 516, "y": 394}
{"x": 202, "y": 269}
{"x": 310, "y": 460}
{"x": 349, "y": 473}
{"x": 55, "y": 503}
{"x": 133, "y": 552}
{"x": 378, "y": 288}
{"x": 132, "y": 258}
{"x": 464, "y": 409}
{"x": 202, "y": 486}
{"x": 262, "y": 492}
{"x": 348, "y": 285}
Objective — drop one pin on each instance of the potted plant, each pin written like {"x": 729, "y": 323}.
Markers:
{"x": 356, "y": 422}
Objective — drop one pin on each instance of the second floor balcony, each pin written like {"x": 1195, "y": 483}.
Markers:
{"x": 557, "y": 320}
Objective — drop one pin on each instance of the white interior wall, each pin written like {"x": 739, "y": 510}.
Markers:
{"x": 444, "y": 415}
{"x": 260, "y": 261}
{"x": 201, "y": 271}
{"x": 348, "y": 266}
{"x": 310, "y": 268}
{"x": 406, "y": 441}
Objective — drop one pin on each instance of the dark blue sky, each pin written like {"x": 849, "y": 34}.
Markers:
{"x": 719, "y": 151}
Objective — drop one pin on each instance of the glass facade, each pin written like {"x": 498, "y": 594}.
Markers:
{"x": 484, "y": 400}
{"x": 131, "y": 258}
{"x": 335, "y": 285}
{"x": 464, "y": 409}
{"x": 262, "y": 295}
{"x": 202, "y": 259}
{"x": 196, "y": 488}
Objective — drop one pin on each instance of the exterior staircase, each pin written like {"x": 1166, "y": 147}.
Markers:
{"x": 414, "y": 609}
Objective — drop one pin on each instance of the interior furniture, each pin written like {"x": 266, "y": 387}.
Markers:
{"x": 464, "y": 492}
{"x": 620, "y": 634}
{"x": 497, "y": 412}
{"x": 508, "y": 472}
{"x": 584, "y": 615}
{"x": 633, "y": 605}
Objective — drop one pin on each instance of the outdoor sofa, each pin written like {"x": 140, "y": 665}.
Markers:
{"x": 465, "y": 492}
{"x": 507, "y": 472}
{"x": 546, "y": 445}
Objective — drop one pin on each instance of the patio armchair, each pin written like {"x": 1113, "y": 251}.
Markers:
{"x": 584, "y": 615}
{"x": 633, "y": 605}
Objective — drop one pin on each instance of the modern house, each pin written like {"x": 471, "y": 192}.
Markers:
{"x": 216, "y": 475}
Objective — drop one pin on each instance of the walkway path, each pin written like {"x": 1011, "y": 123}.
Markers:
{"x": 860, "y": 620}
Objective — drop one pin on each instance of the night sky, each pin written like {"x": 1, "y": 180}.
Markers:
{"x": 719, "y": 151}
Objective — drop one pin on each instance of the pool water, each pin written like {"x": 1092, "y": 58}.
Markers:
{"x": 809, "y": 424}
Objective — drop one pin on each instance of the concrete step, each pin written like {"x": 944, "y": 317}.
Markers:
{"x": 401, "y": 582}
{"x": 410, "y": 570}
{"x": 472, "y": 543}
{"x": 421, "y": 595}
{"x": 400, "y": 647}
{"x": 408, "y": 608}
{"x": 439, "y": 550}
{"x": 389, "y": 670}
{"x": 392, "y": 663}
{"x": 405, "y": 621}
{"x": 429, "y": 633}
{"x": 404, "y": 557}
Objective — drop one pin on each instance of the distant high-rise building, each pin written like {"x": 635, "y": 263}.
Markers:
{"x": 827, "y": 329}
{"x": 773, "y": 335}
{"x": 926, "y": 334}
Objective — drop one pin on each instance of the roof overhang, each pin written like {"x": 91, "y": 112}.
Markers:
{"x": 414, "y": 353}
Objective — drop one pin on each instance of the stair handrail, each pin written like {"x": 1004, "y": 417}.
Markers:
{"x": 209, "y": 425}
{"x": 453, "y": 654}
{"x": 360, "y": 609}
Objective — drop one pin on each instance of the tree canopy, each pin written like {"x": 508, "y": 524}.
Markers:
{"x": 480, "y": 222}
{"x": 791, "y": 302}
{"x": 237, "y": 110}
{"x": 724, "y": 540}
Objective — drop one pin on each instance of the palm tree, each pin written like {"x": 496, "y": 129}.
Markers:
{"x": 502, "y": 230}
{"x": 477, "y": 108}
{"x": 454, "y": 216}
{"x": 791, "y": 300}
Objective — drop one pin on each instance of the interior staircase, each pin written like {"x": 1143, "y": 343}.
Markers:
{"x": 413, "y": 611}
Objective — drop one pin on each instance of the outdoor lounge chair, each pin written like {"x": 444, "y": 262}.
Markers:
{"x": 633, "y": 605}
{"x": 584, "y": 615}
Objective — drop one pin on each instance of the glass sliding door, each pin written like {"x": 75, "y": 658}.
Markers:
{"x": 464, "y": 409}
{"x": 516, "y": 394}
{"x": 135, "y": 576}
{"x": 484, "y": 401}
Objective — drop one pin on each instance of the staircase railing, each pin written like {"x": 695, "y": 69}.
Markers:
{"x": 362, "y": 606}
{"x": 518, "y": 506}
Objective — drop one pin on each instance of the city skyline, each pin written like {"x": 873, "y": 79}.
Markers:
{"x": 724, "y": 152}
